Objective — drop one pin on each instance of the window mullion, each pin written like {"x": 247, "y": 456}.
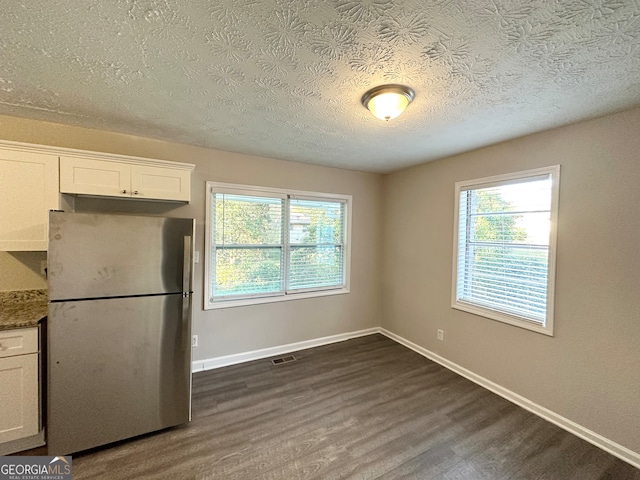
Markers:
{"x": 286, "y": 229}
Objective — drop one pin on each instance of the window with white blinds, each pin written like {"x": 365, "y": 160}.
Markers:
{"x": 265, "y": 245}
{"x": 316, "y": 244}
{"x": 505, "y": 235}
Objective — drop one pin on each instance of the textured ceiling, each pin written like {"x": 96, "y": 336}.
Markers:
{"x": 283, "y": 79}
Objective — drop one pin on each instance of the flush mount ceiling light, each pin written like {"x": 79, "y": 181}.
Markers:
{"x": 388, "y": 101}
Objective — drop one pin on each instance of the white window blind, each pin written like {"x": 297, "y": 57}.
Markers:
{"x": 248, "y": 245}
{"x": 505, "y": 254}
{"x": 266, "y": 243}
{"x": 316, "y": 246}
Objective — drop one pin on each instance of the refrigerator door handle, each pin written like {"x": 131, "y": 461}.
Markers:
{"x": 186, "y": 294}
{"x": 186, "y": 267}
{"x": 186, "y": 322}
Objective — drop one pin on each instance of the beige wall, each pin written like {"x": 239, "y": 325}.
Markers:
{"x": 21, "y": 271}
{"x": 240, "y": 329}
{"x": 589, "y": 371}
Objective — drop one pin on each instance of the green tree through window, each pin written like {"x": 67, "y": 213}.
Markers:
{"x": 248, "y": 244}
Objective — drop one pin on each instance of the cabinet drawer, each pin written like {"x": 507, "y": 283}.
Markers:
{"x": 18, "y": 342}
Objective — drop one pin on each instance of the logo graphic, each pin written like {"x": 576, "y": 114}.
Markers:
{"x": 35, "y": 468}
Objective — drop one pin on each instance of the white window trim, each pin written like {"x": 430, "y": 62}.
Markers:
{"x": 547, "y": 327}
{"x": 270, "y": 297}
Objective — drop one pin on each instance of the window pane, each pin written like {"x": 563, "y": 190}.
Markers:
{"x": 315, "y": 266}
{"x": 525, "y": 195}
{"x": 315, "y": 222}
{"x": 247, "y": 220}
{"x": 503, "y": 247}
{"x": 244, "y": 271}
{"x": 514, "y": 213}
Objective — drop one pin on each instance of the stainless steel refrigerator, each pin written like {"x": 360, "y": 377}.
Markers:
{"x": 119, "y": 327}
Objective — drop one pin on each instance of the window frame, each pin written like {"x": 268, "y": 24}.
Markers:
{"x": 546, "y": 327}
{"x": 270, "y": 297}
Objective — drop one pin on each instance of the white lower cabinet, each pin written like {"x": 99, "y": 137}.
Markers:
{"x": 19, "y": 385}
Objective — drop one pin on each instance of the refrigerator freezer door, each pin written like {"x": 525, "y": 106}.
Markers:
{"x": 117, "y": 368}
{"x": 98, "y": 255}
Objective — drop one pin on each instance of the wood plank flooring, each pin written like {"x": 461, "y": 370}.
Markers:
{"x": 367, "y": 408}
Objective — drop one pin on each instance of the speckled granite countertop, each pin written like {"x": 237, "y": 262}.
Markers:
{"x": 22, "y": 308}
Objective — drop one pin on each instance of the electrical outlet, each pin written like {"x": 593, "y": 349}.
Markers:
{"x": 441, "y": 335}
{"x": 196, "y": 256}
{"x": 194, "y": 341}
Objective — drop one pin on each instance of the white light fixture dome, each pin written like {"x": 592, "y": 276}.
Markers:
{"x": 388, "y": 101}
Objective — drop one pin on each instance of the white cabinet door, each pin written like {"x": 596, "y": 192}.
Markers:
{"x": 160, "y": 183}
{"x": 18, "y": 397}
{"x": 82, "y": 176}
{"x": 28, "y": 190}
{"x": 94, "y": 177}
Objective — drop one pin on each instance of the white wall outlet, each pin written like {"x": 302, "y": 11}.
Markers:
{"x": 196, "y": 256}
{"x": 441, "y": 335}
{"x": 194, "y": 341}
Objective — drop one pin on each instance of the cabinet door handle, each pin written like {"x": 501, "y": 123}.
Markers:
{"x": 124, "y": 191}
{"x": 135, "y": 192}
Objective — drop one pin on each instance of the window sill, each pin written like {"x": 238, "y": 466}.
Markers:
{"x": 279, "y": 298}
{"x": 504, "y": 318}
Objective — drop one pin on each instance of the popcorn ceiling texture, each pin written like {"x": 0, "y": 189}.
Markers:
{"x": 284, "y": 79}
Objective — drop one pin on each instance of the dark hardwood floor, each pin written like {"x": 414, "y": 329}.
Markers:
{"x": 366, "y": 408}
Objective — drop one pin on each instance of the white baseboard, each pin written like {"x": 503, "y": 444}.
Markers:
{"x": 225, "y": 361}
{"x": 590, "y": 436}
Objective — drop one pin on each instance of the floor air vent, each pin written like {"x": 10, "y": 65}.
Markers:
{"x": 281, "y": 360}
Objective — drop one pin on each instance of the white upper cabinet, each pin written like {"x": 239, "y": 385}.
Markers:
{"x": 145, "y": 181}
{"x": 32, "y": 177}
{"x": 82, "y": 176}
{"x": 160, "y": 183}
{"x": 28, "y": 190}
